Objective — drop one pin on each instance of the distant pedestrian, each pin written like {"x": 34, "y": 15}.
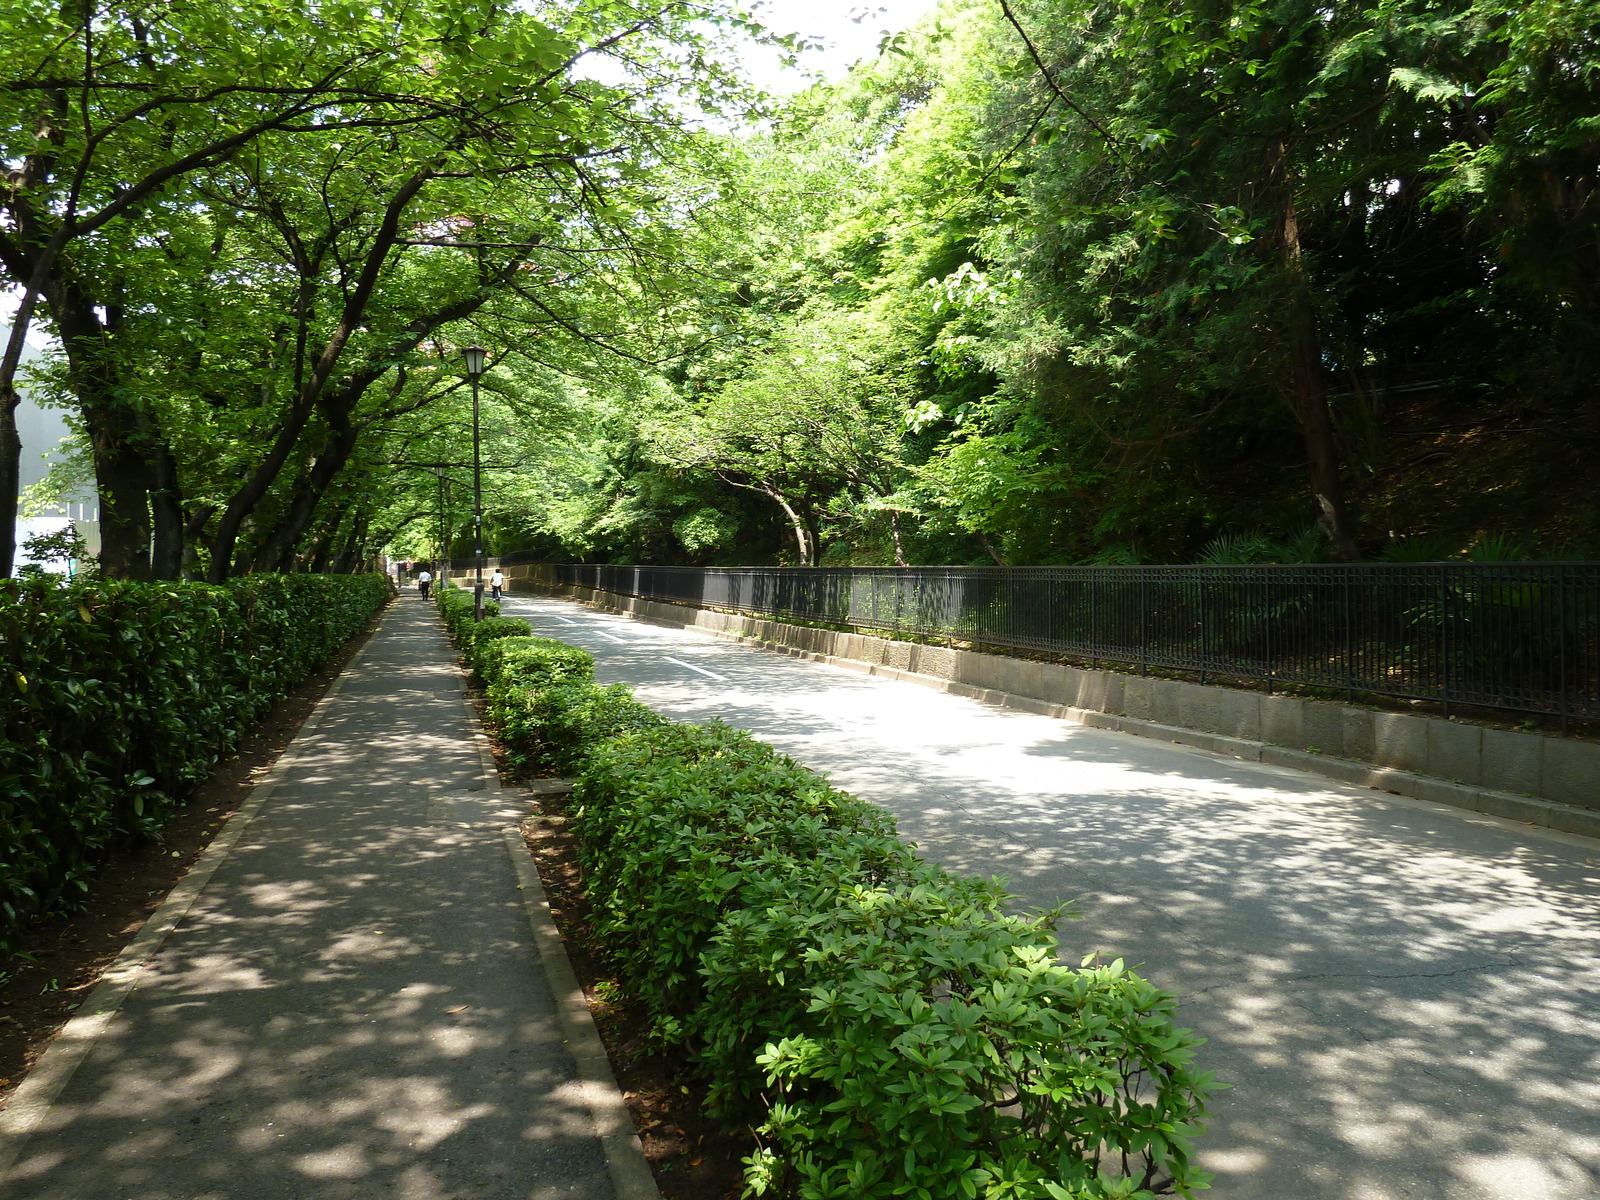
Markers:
{"x": 496, "y": 582}
{"x": 424, "y": 582}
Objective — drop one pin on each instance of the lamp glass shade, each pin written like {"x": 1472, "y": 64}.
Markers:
{"x": 474, "y": 356}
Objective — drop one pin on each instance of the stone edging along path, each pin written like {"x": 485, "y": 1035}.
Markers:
{"x": 625, "y": 1161}
{"x": 1446, "y": 762}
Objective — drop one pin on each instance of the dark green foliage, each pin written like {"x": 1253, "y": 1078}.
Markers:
{"x": 530, "y": 662}
{"x": 526, "y": 679}
{"x": 494, "y": 628}
{"x": 118, "y": 697}
{"x": 888, "y": 1027}
{"x": 555, "y": 728}
{"x": 455, "y": 606}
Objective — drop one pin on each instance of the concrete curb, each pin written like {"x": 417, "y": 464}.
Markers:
{"x": 597, "y": 1083}
{"x": 1549, "y": 814}
{"x": 37, "y": 1094}
{"x": 625, "y": 1160}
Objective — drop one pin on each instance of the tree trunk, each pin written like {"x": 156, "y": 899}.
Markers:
{"x": 894, "y": 532}
{"x": 123, "y": 440}
{"x": 350, "y": 556}
{"x": 10, "y": 476}
{"x": 123, "y": 477}
{"x": 166, "y": 512}
{"x": 277, "y": 550}
{"x": 244, "y": 501}
{"x": 802, "y": 536}
{"x": 1311, "y": 394}
{"x": 10, "y": 440}
{"x": 322, "y": 548}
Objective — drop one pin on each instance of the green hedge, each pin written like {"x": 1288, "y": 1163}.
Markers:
{"x": 455, "y": 606}
{"x": 528, "y": 679}
{"x": 118, "y": 698}
{"x": 887, "y": 1027}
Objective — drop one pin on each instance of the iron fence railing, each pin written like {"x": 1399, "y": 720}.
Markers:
{"x": 1517, "y": 636}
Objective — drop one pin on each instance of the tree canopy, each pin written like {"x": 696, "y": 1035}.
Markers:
{"x": 1044, "y": 281}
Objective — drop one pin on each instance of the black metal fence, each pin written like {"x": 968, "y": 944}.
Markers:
{"x": 1518, "y": 636}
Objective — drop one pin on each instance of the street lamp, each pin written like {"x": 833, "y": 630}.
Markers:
{"x": 444, "y": 544}
{"x": 475, "y": 356}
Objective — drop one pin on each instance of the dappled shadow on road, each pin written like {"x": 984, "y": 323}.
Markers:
{"x": 1405, "y": 999}
{"x": 353, "y": 1009}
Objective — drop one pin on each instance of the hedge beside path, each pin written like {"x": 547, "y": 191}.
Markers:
{"x": 886, "y": 1027}
{"x": 455, "y": 607}
{"x": 117, "y": 698}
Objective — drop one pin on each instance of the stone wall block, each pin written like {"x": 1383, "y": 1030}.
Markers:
{"x": 1103, "y": 692}
{"x": 1062, "y": 685}
{"x": 1219, "y": 710}
{"x": 1323, "y": 727}
{"x": 1400, "y": 741}
{"x": 1360, "y": 735}
{"x": 1283, "y": 721}
{"x": 1570, "y": 772}
{"x": 1509, "y": 761}
{"x": 1455, "y": 752}
{"x": 1166, "y": 699}
{"x": 1138, "y": 697}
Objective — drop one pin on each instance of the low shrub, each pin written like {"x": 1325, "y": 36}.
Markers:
{"x": 543, "y": 701}
{"x": 455, "y": 606}
{"x": 887, "y": 1027}
{"x": 118, "y": 697}
{"x": 492, "y": 629}
{"x": 530, "y": 662}
{"x": 558, "y": 726}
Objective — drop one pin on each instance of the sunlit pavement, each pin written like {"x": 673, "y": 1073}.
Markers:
{"x": 1405, "y": 997}
{"x": 355, "y": 1007}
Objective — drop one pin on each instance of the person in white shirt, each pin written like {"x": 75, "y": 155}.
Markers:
{"x": 424, "y": 582}
{"x": 496, "y": 582}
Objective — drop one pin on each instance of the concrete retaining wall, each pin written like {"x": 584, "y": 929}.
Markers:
{"x": 1530, "y": 777}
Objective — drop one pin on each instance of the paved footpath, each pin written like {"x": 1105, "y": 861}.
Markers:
{"x": 354, "y": 1004}
{"x": 1404, "y": 996}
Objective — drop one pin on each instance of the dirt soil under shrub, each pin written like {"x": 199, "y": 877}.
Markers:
{"x": 691, "y": 1155}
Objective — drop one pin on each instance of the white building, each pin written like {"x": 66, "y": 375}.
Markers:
{"x": 41, "y": 430}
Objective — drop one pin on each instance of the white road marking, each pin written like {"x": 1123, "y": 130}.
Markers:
{"x": 692, "y": 667}
{"x": 617, "y": 640}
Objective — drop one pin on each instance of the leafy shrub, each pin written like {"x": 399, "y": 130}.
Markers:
{"x": 555, "y": 728}
{"x": 888, "y": 1027}
{"x": 531, "y": 662}
{"x": 492, "y": 629}
{"x": 118, "y": 697}
{"x": 455, "y": 606}
{"x": 544, "y": 702}
{"x": 674, "y": 821}
{"x": 944, "y": 1048}
{"x": 916, "y": 1038}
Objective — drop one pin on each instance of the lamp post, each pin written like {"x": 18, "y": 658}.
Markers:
{"x": 475, "y": 356}
{"x": 444, "y": 545}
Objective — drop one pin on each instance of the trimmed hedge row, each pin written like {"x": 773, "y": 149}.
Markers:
{"x": 455, "y": 606}
{"x": 545, "y": 705}
{"x": 118, "y": 697}
{"x": 887, "y": 1027}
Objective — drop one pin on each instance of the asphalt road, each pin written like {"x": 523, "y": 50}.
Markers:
{"x": 1404, "y": 997}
